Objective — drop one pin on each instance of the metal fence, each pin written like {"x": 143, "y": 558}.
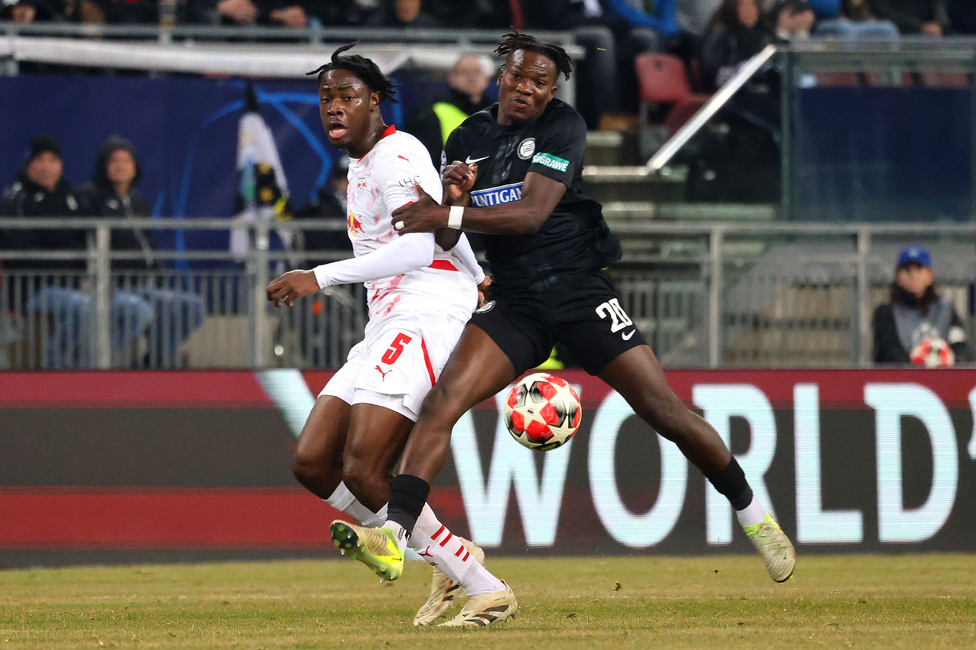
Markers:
{"x": 706, "y": 295}
{"x": 255, "y": 51}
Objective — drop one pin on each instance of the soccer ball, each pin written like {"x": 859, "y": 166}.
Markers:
{"x": 542, "y": 412}
{"x": 933, "y": 353}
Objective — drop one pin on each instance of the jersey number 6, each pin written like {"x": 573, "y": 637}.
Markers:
{"x": 396, "y": 348}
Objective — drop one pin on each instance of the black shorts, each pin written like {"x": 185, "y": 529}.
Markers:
{"x": 586, "y": 316}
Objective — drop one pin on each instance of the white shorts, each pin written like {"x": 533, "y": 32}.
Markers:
{"x": 397, "y": 363}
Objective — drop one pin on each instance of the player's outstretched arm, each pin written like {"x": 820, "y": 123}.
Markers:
{"x": 401, "y": 255}
{"x": 540, "y": 195}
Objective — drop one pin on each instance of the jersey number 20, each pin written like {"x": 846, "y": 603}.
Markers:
{"x": 618, "y": 317}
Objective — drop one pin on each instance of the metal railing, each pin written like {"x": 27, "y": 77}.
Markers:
{"x": 267, "y": 52}
{"x": 708, "y": 295}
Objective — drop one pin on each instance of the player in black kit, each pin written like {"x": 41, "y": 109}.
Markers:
{"x": 517, "y": 180}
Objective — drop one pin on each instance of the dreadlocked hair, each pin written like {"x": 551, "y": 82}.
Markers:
{"x": 363, "y": 68}
{"x": 515, "y": 41}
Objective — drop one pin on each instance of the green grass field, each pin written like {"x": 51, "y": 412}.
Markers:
{"x": 913, "y": 602}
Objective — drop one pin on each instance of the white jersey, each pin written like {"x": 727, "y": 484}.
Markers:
{"x": 380, "y": 182}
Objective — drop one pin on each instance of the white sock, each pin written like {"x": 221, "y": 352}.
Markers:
{"x": 375, "y": 520}
{"x": 753, "y": 514}
{"x": 342, "y": 499}
{"x": 440, "y": 548}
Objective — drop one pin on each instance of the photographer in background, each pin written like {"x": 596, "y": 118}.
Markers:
{"x": 918, "y": 325}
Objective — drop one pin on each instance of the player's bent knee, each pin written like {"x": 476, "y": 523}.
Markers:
{"x": 313, "y": 473}
{"x": 441, "y": 405}
{"x": 360, "y": 475}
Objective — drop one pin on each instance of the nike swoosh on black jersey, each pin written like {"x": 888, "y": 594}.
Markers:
{"x": 468, "y": 161}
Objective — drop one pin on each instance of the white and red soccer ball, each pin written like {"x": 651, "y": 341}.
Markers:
{"x": 933, "y": 353}
{"x": 542, "y": 412}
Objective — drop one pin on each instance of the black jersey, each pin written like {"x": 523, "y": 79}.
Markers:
{"x": 575, "y": 240}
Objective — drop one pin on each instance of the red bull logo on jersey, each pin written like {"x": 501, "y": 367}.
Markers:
{"x": 496, "y": 195}
{"x": 355, "y": 225}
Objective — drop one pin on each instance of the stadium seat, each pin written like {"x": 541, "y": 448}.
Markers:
{"x": 945, "y": 79}
{"x": 837, "y": 79}
{"x": 663, "y": 79}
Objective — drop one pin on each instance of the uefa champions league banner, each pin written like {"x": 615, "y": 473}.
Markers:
{"x": 113, "y": 466}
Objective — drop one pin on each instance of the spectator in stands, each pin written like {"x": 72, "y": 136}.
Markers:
{"x": 929, "y": 17}
{"x": 917, "y": 325}
{"x": 403, "y": 13}
{"x": 740, "y": 163}
{"x": 852, "y": 19}
{"x": 329, "y": 204}
{"x": 41, "y": 191}
{"x": 290, "y": 15}
{"x": 465, "y": 96}
{"x": 661, "y": 15}
{"x": 609, "y": 56}
{"x": 792, "y": 20}
{"x": 244, "y": 13}
{"x": 112, "y": 192}
{"x": 735, "y": 34}
{"x": 237, "y": 12}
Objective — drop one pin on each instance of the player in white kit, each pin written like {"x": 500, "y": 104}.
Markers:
{"x": 420, "y": 296}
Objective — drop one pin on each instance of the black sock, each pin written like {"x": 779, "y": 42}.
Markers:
{"x": 407, "y": 498}
{"x": 732, "y": 483}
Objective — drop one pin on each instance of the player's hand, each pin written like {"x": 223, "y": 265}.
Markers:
{"x": 459, "y": 178}
{"x": 291, "y": 286}
{"x": 423, "y": 215}
{"x": 483, "y": 291}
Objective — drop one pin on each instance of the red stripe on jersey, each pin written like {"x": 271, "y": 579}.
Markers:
{"x": 403, "y": 158}
{"x": 447, "y": 539}
{"x": 442, "y": 265}
{"x": 430, "y": 368}
{"x": 390, "y": 130}
{"x": 437, "y": 534}
{"x": 459, "y": 551}
{"x": 465, "y": 558}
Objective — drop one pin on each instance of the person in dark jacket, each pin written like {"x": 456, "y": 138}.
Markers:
{"x": 41, "y": 191}
{"x": 918, "y": 325}
{"x": 735, "y": 34}
{"x": 113, "y": 193}
{"x": 465, "y": 97}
